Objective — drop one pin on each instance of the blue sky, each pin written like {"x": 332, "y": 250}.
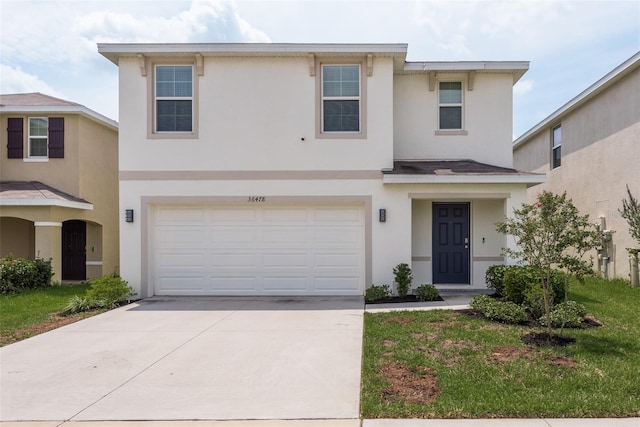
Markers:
{"x": 50, "y": 46}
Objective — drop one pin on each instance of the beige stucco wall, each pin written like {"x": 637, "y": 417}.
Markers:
{"x": 18, "y": 238}
{"x": 487, "y": 118}
{"x": 600, "y": 157}
{"x": 89, "y": 170}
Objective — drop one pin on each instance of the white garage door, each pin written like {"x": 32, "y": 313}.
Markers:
{"x": 266, "y": 250}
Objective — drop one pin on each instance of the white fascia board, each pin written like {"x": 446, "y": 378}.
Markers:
{"x": 53, "y": 109}
{"x": 113, "y": 51}
{"x": 582, "y": 97}
{"x": 517, "y": 68}
{"x": 47, "y": 202}
{"x": 530, "y": 179}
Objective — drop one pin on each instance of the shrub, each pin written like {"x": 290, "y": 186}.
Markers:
{"x": 493, "y": 309}
{"x": 18, "y": 274}
{"x": 427, "y": 293}
{"x": 104, "y": 293}
{"x": 534, "y": 300}
{"x": 518, "y": 279}
{"x": 403, "y": 278}
{"x": 568, "y": 314}
{"x": 377, "y": 293}
{"x": 494, "y": 277}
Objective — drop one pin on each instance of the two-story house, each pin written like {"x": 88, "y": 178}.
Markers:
{"x": 590, "y": 148}
{"x": 310, "y": 169}
{"x": 59, "y": 185}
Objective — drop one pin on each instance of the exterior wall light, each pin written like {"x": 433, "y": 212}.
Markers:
{"x": 382, "y": 215}
{"x": 128, "y": 215}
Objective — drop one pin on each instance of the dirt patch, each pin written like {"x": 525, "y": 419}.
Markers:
{"x": 510, "y": 353}
{"x": 591, "y": 322}
{"x": 400, "y": 320}
{"x": 562, "y": 361}
{"x": 416, "y": 336}
{"x": 411, "y": 387}
{"x": 543, "y": 339}
{"x": 460, "y": 345}
{"x": 388, "y": 343}
{"x": 54, "y": 321}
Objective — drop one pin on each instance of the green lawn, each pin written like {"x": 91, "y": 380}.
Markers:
{"x": 35, "y": 311}
{"x": 446, "y": 364}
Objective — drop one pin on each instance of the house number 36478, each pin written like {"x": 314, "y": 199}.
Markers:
{"x": 257, "y": 199}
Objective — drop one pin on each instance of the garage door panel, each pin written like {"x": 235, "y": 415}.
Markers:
{"x": 258, "y": 250}
{"x": 233, "y": 285}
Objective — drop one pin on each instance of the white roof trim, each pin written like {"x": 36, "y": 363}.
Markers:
{"x": 517, "y": 68}
{"x": 113, "y": 51}
{"x": 52, "y": 109}
{"x": 530, "y": 179}
{"x": 617, "y": 73}
{"x": 47, "y": 202}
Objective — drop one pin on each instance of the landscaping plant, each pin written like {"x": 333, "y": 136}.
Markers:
{"x": 631, "y": 212}
{"x": 19, "y": 274}
{"x": 551, "y": 233}
{"x": 377, "y": 293}
{"x": 403, "y": 279}
{"x": 427, "y": 293}
{"x": 104, "y": 293}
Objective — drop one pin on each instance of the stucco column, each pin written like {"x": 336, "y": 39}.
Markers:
{"x": 49, "y": 245}
{"x": 510, "y": 203}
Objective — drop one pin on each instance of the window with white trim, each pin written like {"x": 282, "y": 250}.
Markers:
{"x": 556, "y": 147}
{"x": 174, "y": 98}
{"x": 341, "y": 99}
{"x": 450, "y": 105}
{"x": 38, "y": 137}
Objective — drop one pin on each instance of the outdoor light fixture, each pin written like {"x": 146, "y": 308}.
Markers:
{"x": 382, "y": 215}
{"x": 128, "y": 215}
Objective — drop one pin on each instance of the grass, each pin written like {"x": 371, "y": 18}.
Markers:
{"x": 461, "y": 366}
{"x": 35, "y": 311}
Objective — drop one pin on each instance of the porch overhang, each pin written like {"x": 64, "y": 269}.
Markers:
{"x": 456, "y": 172}
{"x": 34, "y": 193}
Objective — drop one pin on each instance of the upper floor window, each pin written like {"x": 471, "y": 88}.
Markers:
{"x": 341, "y": 98}
{"x": 38, "y": 137}
{"x": 45, "y": 138}
{"x": 450, "y": 105}
{"x": 174, "y": 98}
{"x": 556, "y": 147}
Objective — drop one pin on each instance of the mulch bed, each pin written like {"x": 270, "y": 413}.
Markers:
{"x": 396, "y": 299}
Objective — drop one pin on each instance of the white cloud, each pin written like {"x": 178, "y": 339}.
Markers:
{"x": 14, "y": 80}
{"x": 523, "y": 87}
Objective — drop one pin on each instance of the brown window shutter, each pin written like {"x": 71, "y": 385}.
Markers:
{"x": 56, "y": 137}
{"x": 15, "y": 138}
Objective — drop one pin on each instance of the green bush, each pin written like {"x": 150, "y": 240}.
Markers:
{"x": 517, "y": 280}
{"x": 403, "y": 278}
{"x": 427, "y": 293}
{"x": 377, "y": 293}
{"x": 494, "y": 277}
{"x": 18, "y": 274}
{"x": 534, "y": 300}
{"x": 506, "y": 312}
{"x": 570, "y": 315}
{"x": 103, "y": 293}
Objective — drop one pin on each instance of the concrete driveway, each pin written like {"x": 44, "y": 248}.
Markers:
{"x": 192, "y": 359}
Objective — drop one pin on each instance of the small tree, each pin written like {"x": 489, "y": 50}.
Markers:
{"x": 631, "y": 212}
{"x": 551, "y": 233}
{"x": 403, "y": 278}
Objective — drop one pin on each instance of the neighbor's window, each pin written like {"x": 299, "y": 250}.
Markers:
{"x": 556, "y": 147}
{"x": 341, "y": 98}
{"x": 174, "y": 98}
{"x": 450, "y": 105}
{"x": 38, "y": 136}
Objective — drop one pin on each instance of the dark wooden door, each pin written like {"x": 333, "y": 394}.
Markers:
{"x": 74, "y": 256}
{"x": 451, "y": 243}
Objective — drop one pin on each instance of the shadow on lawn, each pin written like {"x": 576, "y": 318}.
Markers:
{"x": 608, "y": 346}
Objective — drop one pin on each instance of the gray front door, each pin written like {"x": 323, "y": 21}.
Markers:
{"x": 451, "y": 243}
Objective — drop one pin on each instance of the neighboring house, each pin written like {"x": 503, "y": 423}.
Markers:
{"x": 59, "y": 185}
{"x": 310, "y": 169}
{"x": 590, "y": 148}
